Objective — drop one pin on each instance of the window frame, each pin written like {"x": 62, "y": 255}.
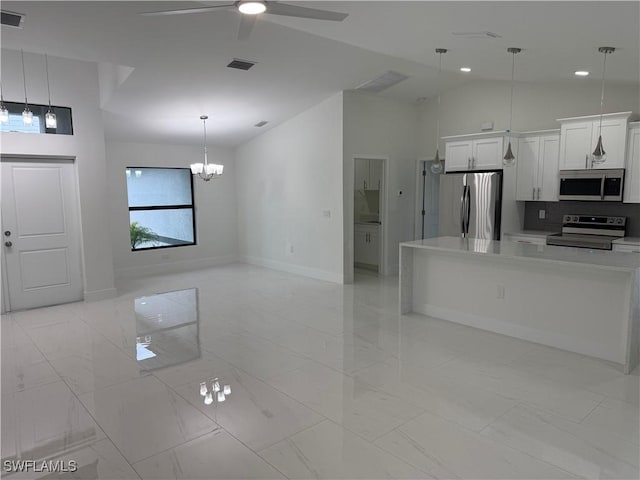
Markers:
{"x": 192, "y": 206}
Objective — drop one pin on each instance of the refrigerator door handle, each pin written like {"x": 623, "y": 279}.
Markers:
{"x": 463, "y": 215}
{"x": 468, "y": 207}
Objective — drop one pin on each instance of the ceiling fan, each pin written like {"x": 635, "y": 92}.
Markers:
{"x": 250, "y": 9}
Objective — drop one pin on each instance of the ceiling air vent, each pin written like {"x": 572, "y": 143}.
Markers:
{"x": 241, "y": 64}
{"x": 476, "y": 35}
{"x": 12, "y": 19}
{"x": 384, "y": 81}
{"x": 261, "y": 123}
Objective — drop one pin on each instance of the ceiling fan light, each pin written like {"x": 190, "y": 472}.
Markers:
{"x": 252, "y": 7}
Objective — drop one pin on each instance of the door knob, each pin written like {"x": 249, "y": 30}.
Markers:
{"x": 8, "y": 244}
{"x": 7, "y": 233}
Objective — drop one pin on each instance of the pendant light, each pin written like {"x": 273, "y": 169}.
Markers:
{"x": 509, "y": 158}
{"x": 4, "y": 112}
{"x": 27, "y": 114}
{"x": 206, "y": 171}
{"x": 599, "y": 155}
{"x": 436, "y": 166}
{"x": 50, "y": 120}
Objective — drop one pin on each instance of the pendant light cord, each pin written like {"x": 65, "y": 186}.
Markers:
{"x": 513, "y": 70}
{"x": 439, "y": 95}
{"x": 46, "y": 66}
{"x": 604, "y": 69}
{"x": 24, "y": 79}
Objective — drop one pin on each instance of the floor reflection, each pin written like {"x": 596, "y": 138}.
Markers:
{"x": 167, "y": 329}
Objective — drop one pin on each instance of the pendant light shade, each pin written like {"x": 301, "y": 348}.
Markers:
{"x": 599, "y": 155}
{"x": 509, "y": 157}
{"x": 436, "y": 166}
{"x": 4, "y": 112}
{"x": 206, "y": 171}
{"x": 50, "y": 119}
{"x": 27, "y": 114}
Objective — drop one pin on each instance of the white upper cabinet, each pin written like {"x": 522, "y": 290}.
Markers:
{"x": 474, "y": 152}
{"x": 375, "y": 175}
{"x": 537, "y": 166}
{"x": 632, "y": 172}
{"x": 579, "y": 135}
{"x": 368, "y": 174}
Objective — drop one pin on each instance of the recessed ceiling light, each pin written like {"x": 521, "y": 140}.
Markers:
{"x": 251, "y": 7}
{"x": 465, "y": 69}
{"x": 581, "y": 73}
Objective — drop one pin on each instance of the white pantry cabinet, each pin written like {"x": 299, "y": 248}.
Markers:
{"x": 579, "y": 135}
{"x": 537, "y": 166}
{"x": 368, "y": 174}
{"x": 482, "y": 151}
{"x": 632, "y": 172}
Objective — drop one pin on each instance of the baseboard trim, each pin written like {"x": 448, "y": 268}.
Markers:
{"x": 173, "y": 267}
{"x": 97, "y": 295}
{"x": 295, "y": 269}
{"x": 563, "y": 342}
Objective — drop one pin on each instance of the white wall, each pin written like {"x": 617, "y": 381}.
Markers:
{"x": 376, "y": 127}
{"x": 536, "y": 106}
{"x": 285, "y": 179}
{"x": 73, "y": 84}
{"x": 215, "y": 207}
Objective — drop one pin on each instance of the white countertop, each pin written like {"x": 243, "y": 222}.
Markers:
{"x": 635, "y": 241}
{"x": 530, "y": 233}
{"x": 540, "y": 253}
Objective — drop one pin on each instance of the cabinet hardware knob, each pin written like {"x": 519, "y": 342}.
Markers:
{"x": 7, "y": 233}
{"x": 8, "y": 244}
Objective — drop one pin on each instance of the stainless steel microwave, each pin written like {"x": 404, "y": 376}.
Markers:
{"x": 604, "y": 185}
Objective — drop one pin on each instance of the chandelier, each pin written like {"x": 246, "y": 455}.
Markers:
{"x": 217, "y": 392}
{"x": 206, "y": 171}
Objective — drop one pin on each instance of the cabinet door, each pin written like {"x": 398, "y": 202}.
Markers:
{"x": 632, "y": 173}
{"x": 375, "y": 175}
{"x": 575, "y": 141}
{"x": 371, "y": 255}
{"x": 361, "y": 174}
{"x": 360, "y": 246}
{"x": 614, "y": 136}
{"x": 487, "y": 153}
{"x": 458, "y": 155}
{"x": 548, "y": 168}
{"x": 527, "y": 168}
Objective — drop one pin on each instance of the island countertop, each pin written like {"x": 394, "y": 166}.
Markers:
{"x": 605, "y": 259}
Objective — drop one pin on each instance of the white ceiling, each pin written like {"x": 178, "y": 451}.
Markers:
{"x": 180, "y": 61}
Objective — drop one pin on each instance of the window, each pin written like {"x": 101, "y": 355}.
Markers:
{"x": 63, "y": 116}
{"x": 160, "y": 207}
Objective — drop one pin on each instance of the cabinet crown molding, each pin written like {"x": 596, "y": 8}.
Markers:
{"x": 493, "y": 133}
{"x": 595, "y": 117}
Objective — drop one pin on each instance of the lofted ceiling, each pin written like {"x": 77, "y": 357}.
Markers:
{"x": 176, "y": 65}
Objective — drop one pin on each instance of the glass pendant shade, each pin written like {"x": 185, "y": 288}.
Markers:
{"x": 203, "y": 389}
{"x": 221, "y": 397}
{"x": 599, "y": 155}
{"x": 50, "y": 120}
{"x": 27, "y": 116}
{"x": 197, "y": 168}
{"x": 436, "y": 166}
{"x": 4, "y": 114}
{"x": 208, "y": 399}
{"x": 227, "y": 390}
{"x": 509, "y": 158}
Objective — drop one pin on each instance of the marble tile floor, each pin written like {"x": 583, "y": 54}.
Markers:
{"x": 324, "y": 381}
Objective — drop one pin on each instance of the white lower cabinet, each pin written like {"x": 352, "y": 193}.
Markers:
{"x": 524, "y": 238}
{"x": 537, "y": 167}
{"x": 366, "y": 245}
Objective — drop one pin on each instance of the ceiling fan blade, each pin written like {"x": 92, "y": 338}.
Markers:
{"x": 276, "y": 8}
{"x": 183, "y": 11}
{"x": 246, "y": 25}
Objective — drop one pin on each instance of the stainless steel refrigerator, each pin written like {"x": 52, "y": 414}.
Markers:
{"x": 470, "y": 205}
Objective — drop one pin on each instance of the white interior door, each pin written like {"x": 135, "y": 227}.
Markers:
{"x": 40, "y": 234}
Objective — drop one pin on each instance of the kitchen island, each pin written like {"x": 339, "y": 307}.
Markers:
{"x": 581, "y": 300}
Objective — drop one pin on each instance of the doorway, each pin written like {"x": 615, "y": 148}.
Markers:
{"x": 368, "y": 214}
{"x": 40, "y": 234}
{"x": 427, "y": 201}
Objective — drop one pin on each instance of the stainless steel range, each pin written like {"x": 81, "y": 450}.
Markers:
{"x": 597, "y": 232}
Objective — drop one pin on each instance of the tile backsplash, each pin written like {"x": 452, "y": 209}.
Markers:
{"x": 555, "y": 211}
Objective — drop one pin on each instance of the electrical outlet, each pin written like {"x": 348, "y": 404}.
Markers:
{"x": 542, "y": 214}
{"x": 500, "y": 292}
